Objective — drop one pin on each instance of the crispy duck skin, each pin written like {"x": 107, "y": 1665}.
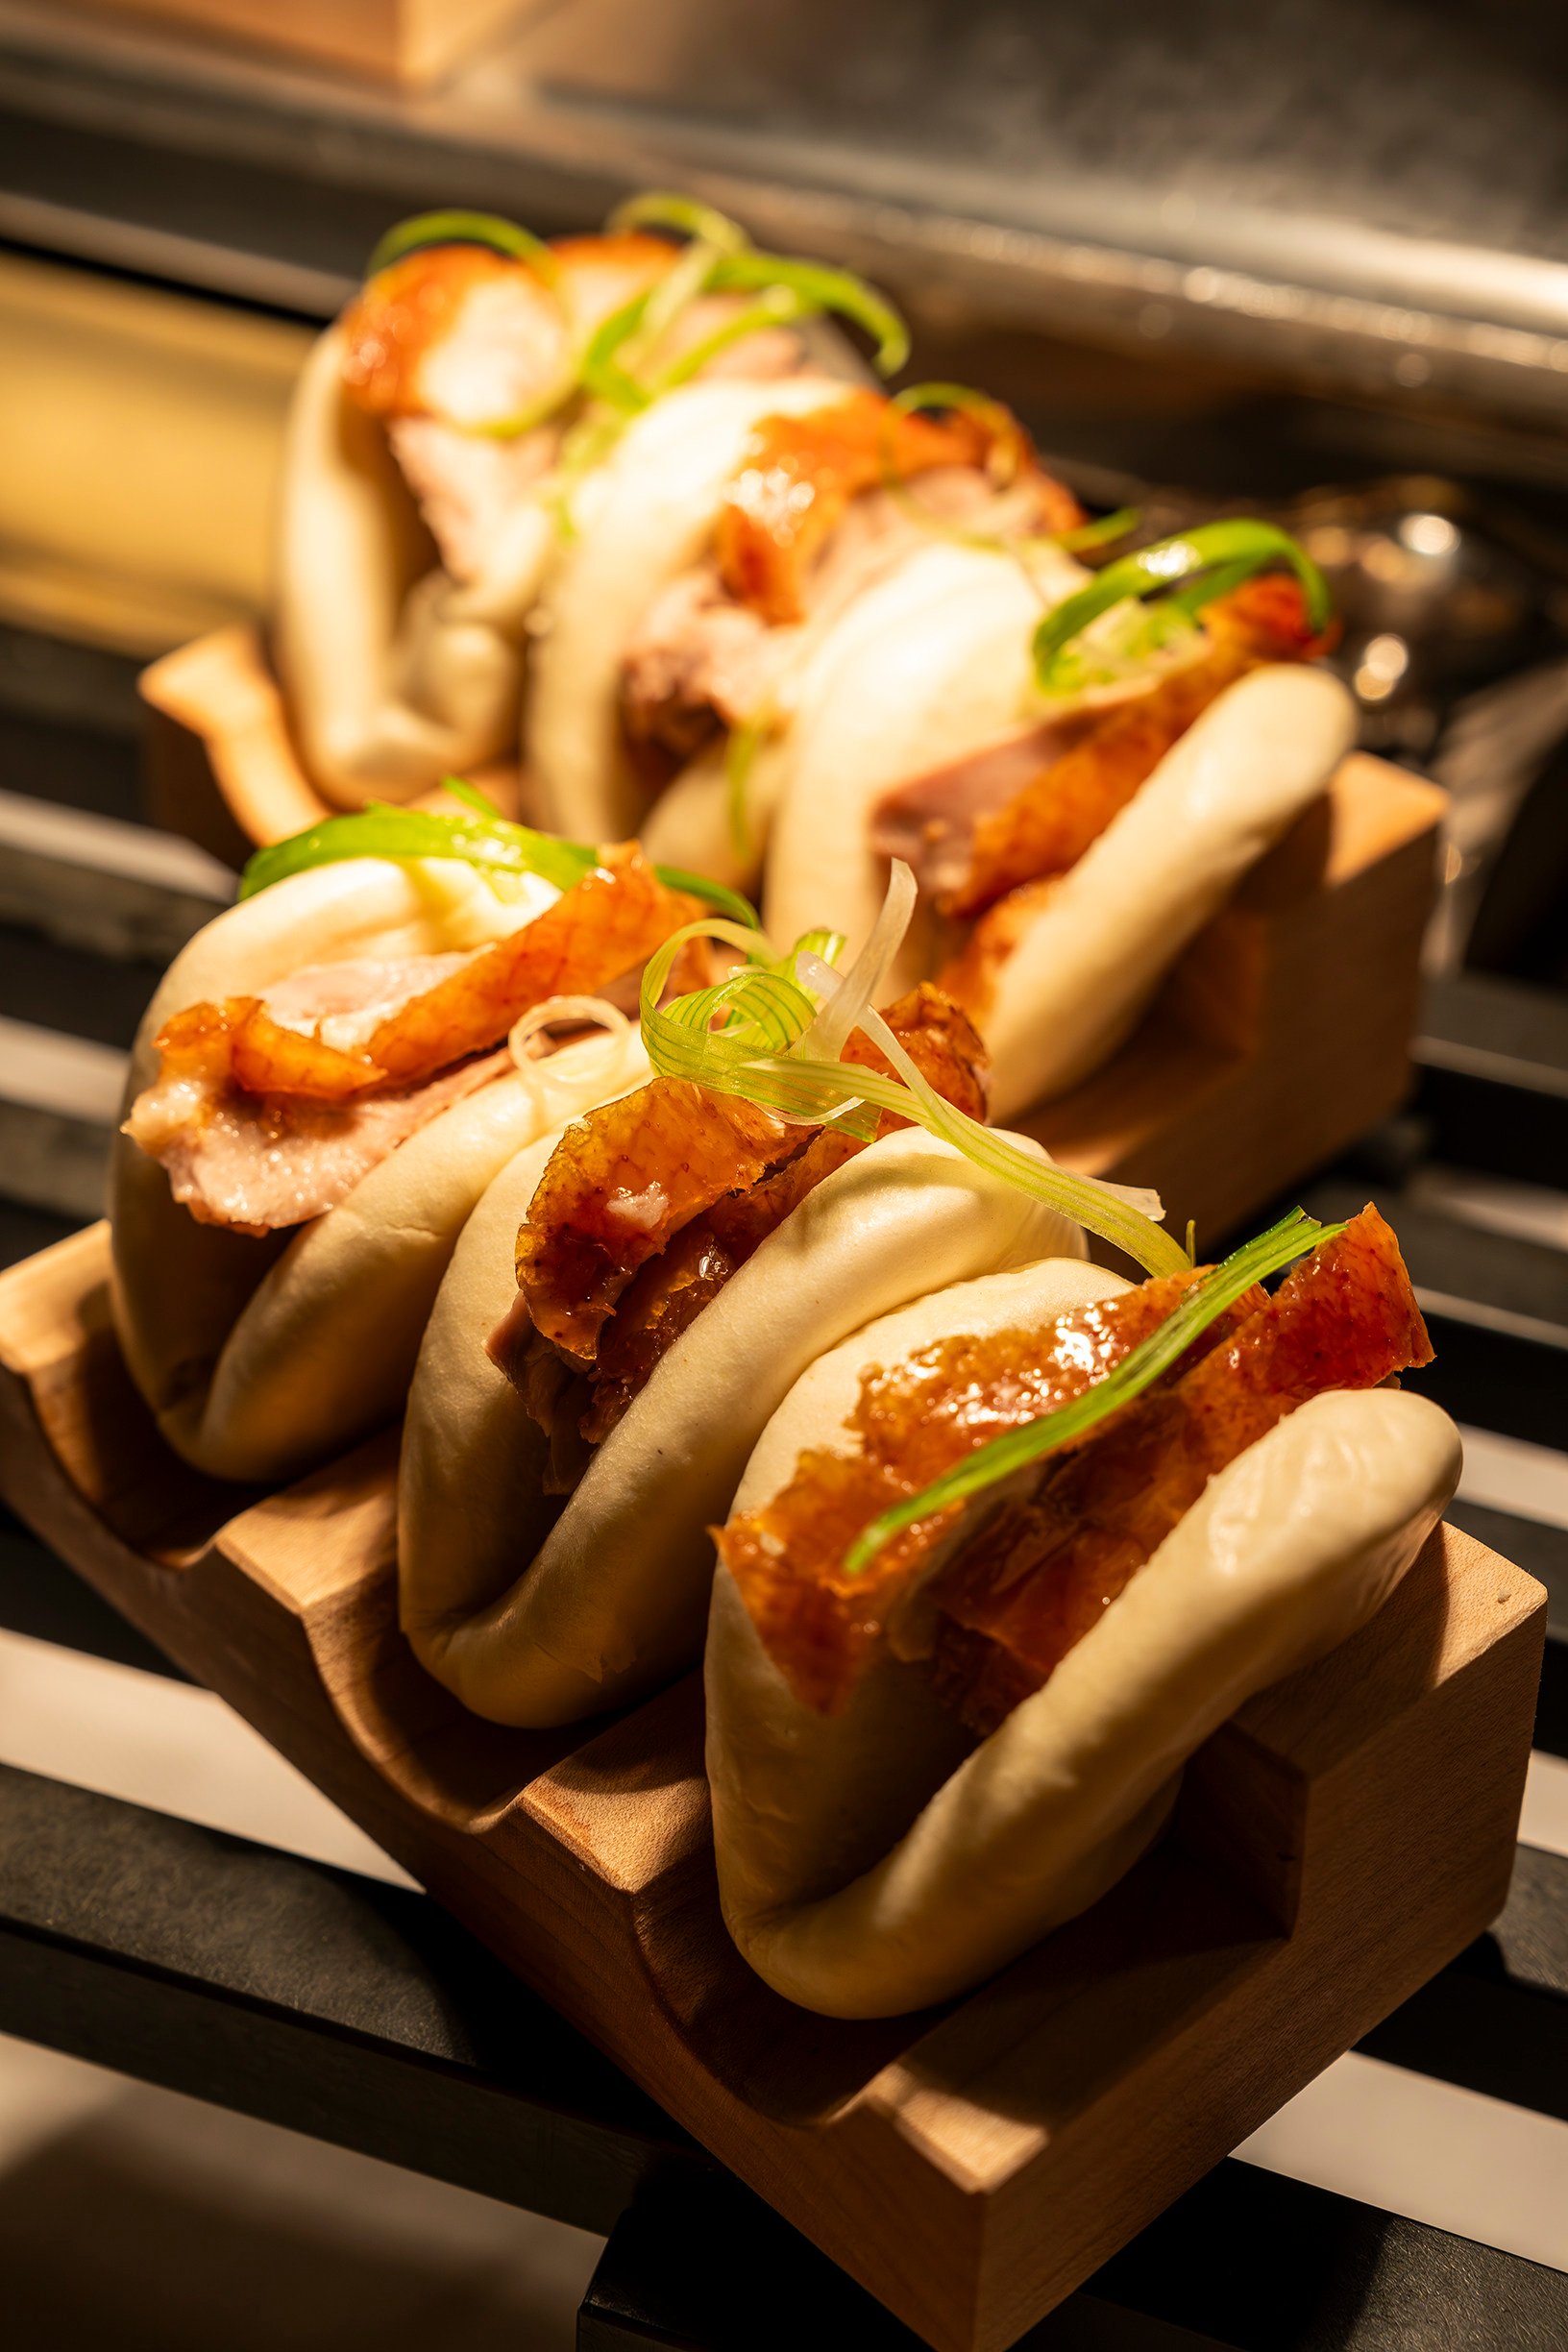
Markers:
{"x": 262, "y": 1122}
{"x": 399, "y": 318}
{"x": 913, "y": 1421}
{"x": 1093, "y": 763}
{"x": 635, "y": 1173}
{"x": 609, "y": 923}
{"x": 671, "y": 1291}
{"x": 1011, "y": 1605}
{"x": 801, "y": 472}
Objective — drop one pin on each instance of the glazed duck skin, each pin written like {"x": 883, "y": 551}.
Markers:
{"x": 1013, "y": 1604}
{"x": 800, "y": 473}
{"x": 806, "y": 525}
{"x": 1010, "y": 1604}
{"x": 263, "y": 1122}
{"x": 653, "y": 1201}
{"x": 1029, "y": 807}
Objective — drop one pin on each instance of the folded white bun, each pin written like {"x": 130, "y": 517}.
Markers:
{"x": 867, "y": 1865}
{"x": 928, "y": 665}
{"x": 393, "y": 674}
{"x": 1083, "y": 970}
{"x": 261, "y": 1357}
{"x": 534, "y": 1614}
{"x": 645, "y": 516}
{"x": 934, "y": 663}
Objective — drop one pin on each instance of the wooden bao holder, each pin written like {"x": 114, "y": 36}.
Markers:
{"x": 1344, "y": 1838}
{"x": 1281, "y": 1035}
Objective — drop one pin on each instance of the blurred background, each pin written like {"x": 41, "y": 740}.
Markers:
{"x": 1307, "y": 259}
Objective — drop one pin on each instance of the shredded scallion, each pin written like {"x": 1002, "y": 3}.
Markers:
{"x": 771, "y": 1035}
{"x": 1187, "y": 571}
{"x": 617, "y": 366}
{"x": 486, "y": 840}
{"x": 459, "y": 228}
{"x": 1002, "y": 1457}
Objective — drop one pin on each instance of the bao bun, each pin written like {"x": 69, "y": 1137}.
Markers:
{"x": 534, "y": 1614}
{"x": 261, "y": 1357}
{"x": 866, "y": 1864}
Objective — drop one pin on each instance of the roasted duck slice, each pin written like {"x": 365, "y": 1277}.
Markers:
{"x": 675, "y": 1162}
{"x": 1012, "y": 1606}
{"x": 1029, "y": 806}
{"x": 267, "y": 1109}
{"x": 1010, "y": 1602}
{"x": 799, "y": 474}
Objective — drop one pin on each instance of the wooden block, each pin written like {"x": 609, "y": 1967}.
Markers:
{"x": 222, "y": 766}
{"x": 1345, "y": 1836}
{"x": 1281, "y": 1035}
{"x": 399, "y": 40}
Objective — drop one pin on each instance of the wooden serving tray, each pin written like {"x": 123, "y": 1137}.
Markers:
{"x": 1281, "y": 1035}
{"x": 1348, "y": 1834}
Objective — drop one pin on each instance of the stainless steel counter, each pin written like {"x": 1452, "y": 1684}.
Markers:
{"x": 1374, "y": 200}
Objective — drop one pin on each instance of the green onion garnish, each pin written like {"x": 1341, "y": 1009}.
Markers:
{"x": 456, "y": 228}
{"x": 818, "y": 288}
{"x": 487, "y": 839}
{"x": 493, "y": 843}
{"x": 719, "y": 261}
{"x": 1101, "y": 532}
{"x": 745, "y": 740}
{"x": 1016, "y": 1449}
{"x": 688, "y": 215}
{"x": 719, "y": 258}
{"x": 774, "y": 1034}
{"x": 1223, "y": 553}
{"x": 730, "y": 902}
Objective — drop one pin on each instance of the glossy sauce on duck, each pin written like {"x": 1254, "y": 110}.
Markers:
{"x": 799, "y": 474}
{"x": 988, "y": 824}
{"x": 649, "y": 1204}
{"x": 264, "y": 1120}
{"x": 1012, "y": 1602}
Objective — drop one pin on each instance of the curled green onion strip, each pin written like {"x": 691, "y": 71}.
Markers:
{"x": 486, "y": 840}
{"x": 1211, "y": 560}
{"x": 665, "y": 208}
{"x": 818, "y": 288}
{"x": 718, "y": 258}
{"x": 1002, "y": 1457}
{"x": 778, "y": 306}
{"x": 457, "y": 227}
{"x": 753, "y": 1035}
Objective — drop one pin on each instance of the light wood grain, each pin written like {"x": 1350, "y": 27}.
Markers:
{"x": 1347, "y": 1834}
{"x": 224, "y": 769}
{"x": 1281, "y": 1035}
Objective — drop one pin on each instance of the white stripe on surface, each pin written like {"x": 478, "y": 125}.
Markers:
{"x": 170, "y": 1746}
{"x": 72, "y": 1077}
{"x": 107, "y": 847}
{"x": 1509, "y": 1475}
{"x": 1544, "y": 1820}
{"x": 1493, "y": 1204}
{"x": 1414, "y": 2146}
